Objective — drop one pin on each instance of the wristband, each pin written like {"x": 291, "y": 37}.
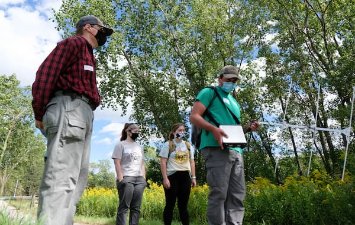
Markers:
{"x": 193, "y": 177}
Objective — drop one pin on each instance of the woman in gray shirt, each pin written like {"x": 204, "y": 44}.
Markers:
{"x": 128, "y": 157}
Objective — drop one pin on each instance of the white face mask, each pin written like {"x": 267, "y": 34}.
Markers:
{"x": 180, "y": 135}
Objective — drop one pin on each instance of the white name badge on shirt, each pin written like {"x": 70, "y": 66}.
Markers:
{"x": 88, "y": 67}
{"x": 226, "y": 100}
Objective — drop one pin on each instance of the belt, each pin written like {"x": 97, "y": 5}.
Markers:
{"x": 75, "y": 95}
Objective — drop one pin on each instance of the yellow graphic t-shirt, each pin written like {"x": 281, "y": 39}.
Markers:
{"x": 179, "y": 158}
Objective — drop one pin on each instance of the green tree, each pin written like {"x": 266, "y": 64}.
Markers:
{"x": 101, "y": 174}
{"x": 164, "y": 52}
{"x": 20, "y": 147}
{"x": 170, "y": 49}
{"x": 315, "y": 42}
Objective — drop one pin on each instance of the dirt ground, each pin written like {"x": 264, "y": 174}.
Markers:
{"x": 14, "y": 213}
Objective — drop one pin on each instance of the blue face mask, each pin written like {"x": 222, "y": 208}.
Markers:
{"x": 228, "y": 86}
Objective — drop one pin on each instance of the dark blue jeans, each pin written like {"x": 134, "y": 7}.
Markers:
{"x": 130, "y": 192}
{"x": 180, "y": 187}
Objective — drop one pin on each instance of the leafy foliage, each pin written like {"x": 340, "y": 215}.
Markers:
{"x": 101, "y": 175}
{"x": 21, "y": 149}
{"x": 295, "y": 56}
{"x": 317, "y": 200}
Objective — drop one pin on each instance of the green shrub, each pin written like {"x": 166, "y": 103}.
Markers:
{"x": 98, "y": 202}
{"x": 314, "y": 200}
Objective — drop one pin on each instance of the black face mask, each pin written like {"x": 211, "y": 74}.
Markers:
{"x": 101, "y": 38}
{"x": 134, "y": 136}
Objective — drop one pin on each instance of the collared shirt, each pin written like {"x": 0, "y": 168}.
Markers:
{"x": 70, "y": 66}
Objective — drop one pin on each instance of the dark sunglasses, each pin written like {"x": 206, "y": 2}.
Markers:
{"x": 102, "y": 29}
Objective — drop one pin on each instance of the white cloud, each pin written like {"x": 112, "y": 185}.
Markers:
{"x": 272, "y": 22}
{"x": 4, "y": 3}
{"x": 269, "y": 38}
{"x": 110, "y": 115}
{"x": 259, "y": 65}
{"x": 104, "y": 141}
{"x": 113, "y": 128}
{"x": 46, "y": 7}
{"x": 122, "y": 62}
{"x": 27, "y": 37}
{"x": 245, "y": 39}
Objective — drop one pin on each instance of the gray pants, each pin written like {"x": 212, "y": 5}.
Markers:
{"x": 68, "y": 128}
{"x": 226, "y": 181}
{"x": 130, "y": 191}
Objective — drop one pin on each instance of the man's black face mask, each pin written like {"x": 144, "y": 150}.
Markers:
{"x": 101, "y": 38}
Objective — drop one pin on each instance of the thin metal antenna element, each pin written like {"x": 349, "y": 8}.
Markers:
{"x": 348, "y": 135}
{"x": 345, "y": 131}
{"x": 314, "y": 128}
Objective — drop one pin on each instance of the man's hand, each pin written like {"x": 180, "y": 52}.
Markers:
{"x": 252, "y": 126}
{"x": 218, "y": 134}
{"x": 39, "y": 124}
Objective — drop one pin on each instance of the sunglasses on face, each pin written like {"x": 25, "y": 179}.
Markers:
{"x": 233, "y": 80}
{"x": 101, "y": 28}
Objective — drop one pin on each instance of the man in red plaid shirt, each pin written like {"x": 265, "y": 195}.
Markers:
{"x": 65, "y": 94}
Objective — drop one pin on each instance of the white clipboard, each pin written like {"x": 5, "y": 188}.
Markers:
{"x": 236, "y": 137}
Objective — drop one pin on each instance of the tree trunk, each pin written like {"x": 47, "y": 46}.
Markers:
{"x": 3, "y": 180}
{"x": 266, "y": 144}
{"x": 292, "y": 139}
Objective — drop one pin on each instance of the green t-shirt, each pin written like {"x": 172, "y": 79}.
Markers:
{"x": 219, "y": 112}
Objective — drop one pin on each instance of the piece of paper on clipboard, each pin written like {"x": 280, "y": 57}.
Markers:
{"x": 236, "y": 137}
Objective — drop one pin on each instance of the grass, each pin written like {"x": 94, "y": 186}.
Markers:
{"x": 111, "y": 221}
{"x": 24, "y": 207}
{"x": 6, "y": 220}
{"x": 94, "y": 220}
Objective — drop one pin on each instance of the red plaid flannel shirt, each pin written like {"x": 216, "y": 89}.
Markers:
{"x": 70, "y": 66}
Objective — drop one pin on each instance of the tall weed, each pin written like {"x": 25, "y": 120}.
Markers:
{"x": 314, "y": 200}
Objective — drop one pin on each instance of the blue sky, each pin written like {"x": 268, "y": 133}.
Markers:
{"x": 27, "y": 37}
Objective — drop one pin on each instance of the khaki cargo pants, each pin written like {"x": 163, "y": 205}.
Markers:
{"x": 68, "y": 128}
{"x": 226, "y": 181}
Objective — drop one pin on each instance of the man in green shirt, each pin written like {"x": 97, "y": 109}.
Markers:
{"x": 225, "y": 168}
